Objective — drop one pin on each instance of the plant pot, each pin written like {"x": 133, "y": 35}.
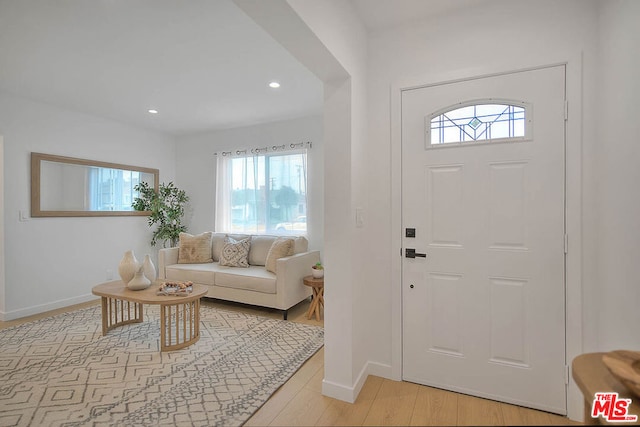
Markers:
{"x": 317, "y": 273}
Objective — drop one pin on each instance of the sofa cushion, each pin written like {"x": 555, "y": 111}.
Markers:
{"x": 300, "y": 245}
{"x": 194, "y": 249}
{"x": 254, "y": 278}
{"x": 260, "y": 246}
{"x": 200, "y": 273}
{"x": 281, "y": 247}
{"x": 235, "y": 253}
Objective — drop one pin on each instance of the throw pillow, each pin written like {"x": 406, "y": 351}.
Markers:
{"x": 235, "y": 253}
{"x": 217, "y": 241}
{"x": 194, "y": 249}
{"x": 280, "y": 248}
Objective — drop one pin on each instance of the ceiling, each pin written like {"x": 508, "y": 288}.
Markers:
{"x": 203, "y": 64}
{"x": 380, "y": 15}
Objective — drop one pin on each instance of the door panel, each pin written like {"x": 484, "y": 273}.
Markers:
{"x": 507, "y": 195}
{"x": 444, "y": 298}
{"x": 485, "y": 315}
{"x": 446, "y": 205}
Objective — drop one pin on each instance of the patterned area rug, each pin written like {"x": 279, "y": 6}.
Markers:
{"x": 61, "y": 371}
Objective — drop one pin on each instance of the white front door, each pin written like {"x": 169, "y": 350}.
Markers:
{"x": 484, "y": 309}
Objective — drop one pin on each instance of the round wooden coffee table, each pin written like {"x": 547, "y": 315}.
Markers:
{"x": 179, "y": 315}
{"x": 317, "y": 301}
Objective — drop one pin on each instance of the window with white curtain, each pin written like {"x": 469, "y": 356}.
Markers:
{"x": 262, "y": 193}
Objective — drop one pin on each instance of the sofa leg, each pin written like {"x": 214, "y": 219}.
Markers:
{"x": 284, "y": 314}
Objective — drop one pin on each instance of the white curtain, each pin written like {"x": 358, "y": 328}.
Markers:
{"x": 236, "y": 183}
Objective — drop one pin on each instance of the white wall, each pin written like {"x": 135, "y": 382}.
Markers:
{"x": 54, "y": 262}
{"x": 336, "y": 24}
{"x": 330, "y": 40}
{"x": 195, "y": 167}
{"x": 618, "y": 175}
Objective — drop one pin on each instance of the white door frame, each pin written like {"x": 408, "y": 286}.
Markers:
{"x": 573, "y": 204}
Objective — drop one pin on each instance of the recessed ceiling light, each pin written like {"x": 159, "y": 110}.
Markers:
{"x": 153, "y": 111}
{"x": 274, "y": 85}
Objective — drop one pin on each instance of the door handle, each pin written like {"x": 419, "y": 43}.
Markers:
{"x": 411, "y": 253}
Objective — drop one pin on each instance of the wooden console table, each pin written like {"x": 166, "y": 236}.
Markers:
{"x": 592, "y": 376}
{"x": 179, "y": 315}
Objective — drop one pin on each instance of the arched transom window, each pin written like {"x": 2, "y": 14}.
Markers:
{"x": 479, "y": 121}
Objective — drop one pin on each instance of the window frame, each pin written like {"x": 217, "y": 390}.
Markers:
{"x": 528, "y": 123}
{"x": 222, "y": 195}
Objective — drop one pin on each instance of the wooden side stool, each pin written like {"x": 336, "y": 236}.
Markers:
{"x": 317, "y": 301}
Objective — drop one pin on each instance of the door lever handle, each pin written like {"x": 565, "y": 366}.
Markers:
{"x": 411, "y": 253}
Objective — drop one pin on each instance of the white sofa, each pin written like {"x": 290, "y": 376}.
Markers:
{"x": 253, "y": 285}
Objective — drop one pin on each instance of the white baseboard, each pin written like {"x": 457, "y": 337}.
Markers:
{"x": 380, "y": 370}
{"x": 338, "y": 391}
{"x": 350, "y": 393}
{"x": 37, "y": 309}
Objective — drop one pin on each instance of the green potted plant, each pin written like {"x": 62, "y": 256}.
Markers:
{"x": 317, "y": 270}
{"x": 167, "y": 210}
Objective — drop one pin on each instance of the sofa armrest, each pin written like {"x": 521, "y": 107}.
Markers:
{"x": 289, "y": 273}
{"x": 166, "y": 256}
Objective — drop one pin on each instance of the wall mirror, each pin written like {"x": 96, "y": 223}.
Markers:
{"x": 66, "y": 186}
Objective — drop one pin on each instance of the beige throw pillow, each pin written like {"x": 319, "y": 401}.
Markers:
{"x": 280, "y": 248}
{"x": 235, "y": 253}
{"x": 194, "y": 249}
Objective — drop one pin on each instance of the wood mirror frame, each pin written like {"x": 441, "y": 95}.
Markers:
{"x": 39, "y": 184}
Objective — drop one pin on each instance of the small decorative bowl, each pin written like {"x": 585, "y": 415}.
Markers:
{"x": 175, "y": 288}
{"x": 625, "y": 366}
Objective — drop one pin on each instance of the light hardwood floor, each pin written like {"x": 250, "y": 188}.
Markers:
{"x": 299, "y": 402}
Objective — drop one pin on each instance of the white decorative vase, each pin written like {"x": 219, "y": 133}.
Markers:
{"x": 127, "y": 267}
{"x": 139, "y": 282}
{"x": 149, "y": 269}
{"x": 317, "y": 273}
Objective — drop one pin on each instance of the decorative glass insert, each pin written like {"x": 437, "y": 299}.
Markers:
{"x": 478, "y": 122}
